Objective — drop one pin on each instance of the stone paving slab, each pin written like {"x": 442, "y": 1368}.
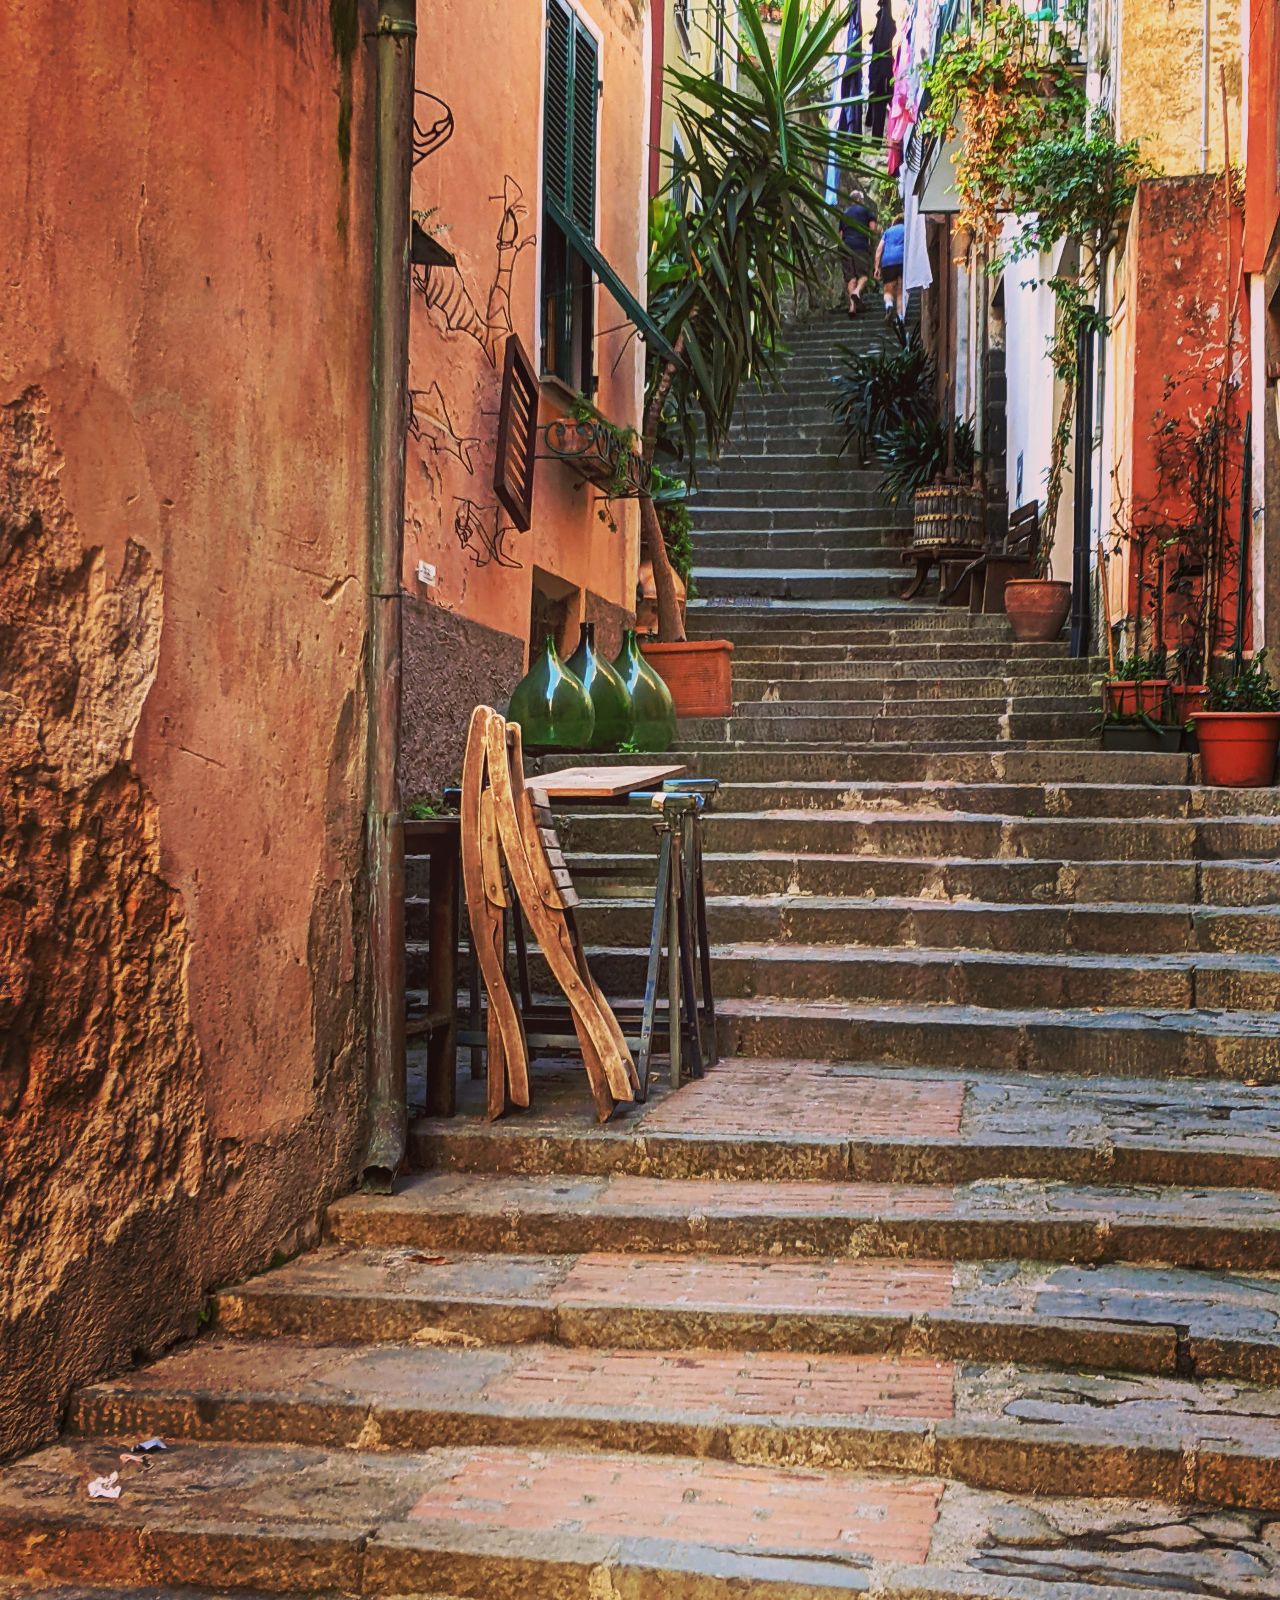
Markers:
{"x": 1004, "y": 1427}
{"x": 559, "y": 1214}
{"x": 501, "y": 1521}
{"x": 833, "y": 1120}
{"x": 1102, "y": 1041}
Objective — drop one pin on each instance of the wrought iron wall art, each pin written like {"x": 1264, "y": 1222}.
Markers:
{"x": 431, "y": 129}
{"x": 485, "y": 545}
{"x": 431, "y": 424}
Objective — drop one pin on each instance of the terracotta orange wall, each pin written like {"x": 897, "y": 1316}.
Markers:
{"x": 467, "y": 635}
{"x": 1262, "y": 157}
{"x": 184, "y": 358}
{"x": 1182, "y": 271}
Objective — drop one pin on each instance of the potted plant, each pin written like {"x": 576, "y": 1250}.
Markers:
{"x": 759, "y": 141}
{"x": 1239, "y": 728}
{"x": 1136, "y": 685}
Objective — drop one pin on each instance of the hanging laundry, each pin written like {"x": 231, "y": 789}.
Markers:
{"x": 880, "y": 74}
{"x": 851, "y": 82}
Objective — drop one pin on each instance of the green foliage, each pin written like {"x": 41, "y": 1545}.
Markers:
{"x": 914, "y": 453}
{"x": 746, "y": 216}
{"x": 878, "y": 390}
{"x": 424, "y": 808}
{"x": 670, "y": 499}
{"x": 1075, "y": 182}
{"x": 1138, "y": 669}
{"x": 1249, "y": 689}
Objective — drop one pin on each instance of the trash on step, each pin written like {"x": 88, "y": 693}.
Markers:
{"x": 128, "y": 1455}
{"x": 107, "y": 1488}
{"x": 148, "y": 1445}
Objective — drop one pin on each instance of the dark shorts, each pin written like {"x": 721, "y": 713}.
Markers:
{"x": 891, "y": 274}
{"x": 857, "y": 264}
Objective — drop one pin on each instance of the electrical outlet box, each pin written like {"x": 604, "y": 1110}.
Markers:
{"x": 426, "y": 574}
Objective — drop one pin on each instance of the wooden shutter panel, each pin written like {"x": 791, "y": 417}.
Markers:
{"x": 585, "y": 102}
{"x": 558, "y": 104}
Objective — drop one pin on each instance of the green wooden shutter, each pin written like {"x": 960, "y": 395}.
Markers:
{"x": 558, "y": 103}
{"x": 586, "y": 76}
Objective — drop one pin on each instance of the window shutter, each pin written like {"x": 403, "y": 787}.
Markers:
{"x": 558, "y": 108}
{"x": 585, "y": 102}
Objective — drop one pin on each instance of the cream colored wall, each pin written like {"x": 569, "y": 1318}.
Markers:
{"x": 1160, "y": 73}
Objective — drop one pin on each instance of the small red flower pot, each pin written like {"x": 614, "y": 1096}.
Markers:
{"x": 1188, "y": 699}
{"x": 699, "y": 674}
{"x": 1151, "y": 694}
{"x": 1120, "y": 697}
{"x": 1238, "y": 748}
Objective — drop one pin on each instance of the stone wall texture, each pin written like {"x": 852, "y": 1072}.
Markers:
{"x": 184, "y": 358}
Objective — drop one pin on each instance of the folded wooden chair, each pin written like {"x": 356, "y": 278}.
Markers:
{"x": 1014, "y": 557}
{"x": 522, "y": 834}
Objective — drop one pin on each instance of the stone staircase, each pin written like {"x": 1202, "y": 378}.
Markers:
{"x": 958, "y": 1279}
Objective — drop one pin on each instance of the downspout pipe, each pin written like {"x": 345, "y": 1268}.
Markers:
{"x": 384, "y": 824}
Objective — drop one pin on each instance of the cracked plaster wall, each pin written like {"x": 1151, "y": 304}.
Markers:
{"x": 183, "y": 404}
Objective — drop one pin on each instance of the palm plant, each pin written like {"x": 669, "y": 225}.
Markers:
{"x": 914, "y": 454}
{"x": 877, "y": 390}
{"x": 748, "y": 218}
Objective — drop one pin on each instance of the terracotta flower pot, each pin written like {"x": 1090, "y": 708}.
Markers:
{"x": 1188, "y": 699}
{"x": 1120, "y": 697}
{"x": 699, "y": 674}
{"x": 1238, "y": 748}
{"x": 1151, "y": 697}
{"x": 1037, "y": 608}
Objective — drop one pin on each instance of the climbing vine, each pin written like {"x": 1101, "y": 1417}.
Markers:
{"x": 1035, "y": 150}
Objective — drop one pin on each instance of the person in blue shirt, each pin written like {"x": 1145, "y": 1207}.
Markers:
{"x": 889, "y": 268}
{"x": 857, "y": 225}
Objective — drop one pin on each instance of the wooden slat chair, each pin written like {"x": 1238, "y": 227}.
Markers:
{"x": 524, "y": 838}
{"x": 1015, "y": 557}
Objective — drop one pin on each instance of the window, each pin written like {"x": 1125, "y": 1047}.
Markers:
{"x": 570, "y": 117}
{"x": 683, "y": 11}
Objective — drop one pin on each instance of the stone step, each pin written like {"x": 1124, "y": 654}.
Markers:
{"x": 751, "y": 551}
{"x": 944, "y": 834}
{"x": 734, "y": 516}
{"x": 749, "y": 730}
{"x": 998, "y": 980}
{"x": 822, "y": 1120}
{"x": 1117, "y": 929}
{"x": 894, "y": 686}
{"x": 870, "y": 581}
{"x": 1007, "y": 1428}
{"x": 905, "y": 700}
{"x": 785, "y": 645}
{"x": 800, "y": 680}
{"x": 1117, "y": 1316}
{"x": 523, "y": 1215}
{"x": 1051, "y": 882}
{"x": 1094, "y": 1041}
{"x": 1054, "y": 766}
{"x": 499, "y": 1521}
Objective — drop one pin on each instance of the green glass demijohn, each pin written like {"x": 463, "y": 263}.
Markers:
{"x": 608, "y": 692}
{"x": 652, "y": 709}
{"x": 552, "y": 705}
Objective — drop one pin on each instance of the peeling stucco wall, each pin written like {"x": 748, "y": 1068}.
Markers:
{"x": 184, "y": 369}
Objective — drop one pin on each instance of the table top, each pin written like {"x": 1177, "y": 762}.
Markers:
{"x": 601, "y": 783}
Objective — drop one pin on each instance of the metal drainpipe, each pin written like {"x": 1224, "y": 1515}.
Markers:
{"x": 384, "y": 825}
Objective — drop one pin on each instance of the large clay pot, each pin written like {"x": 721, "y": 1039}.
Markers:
{"x": 1037, "y": 608}
{"x": 1238, "y": 748}
{"x": 699, "y": 674}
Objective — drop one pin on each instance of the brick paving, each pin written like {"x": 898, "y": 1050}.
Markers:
{"x": 689, "y": 1501}
{"x": 806, "y": 1097}
{"x": 762, "y": 1285}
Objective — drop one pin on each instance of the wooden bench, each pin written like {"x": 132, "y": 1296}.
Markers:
{"x": 1015, "y": 557}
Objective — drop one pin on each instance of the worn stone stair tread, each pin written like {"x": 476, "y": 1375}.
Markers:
{"x": 1003, "y": 1426}
{"x": 554, "y": 1523}
{"x": 566, "y": 1213}
{"x": 1106, "y": 1317}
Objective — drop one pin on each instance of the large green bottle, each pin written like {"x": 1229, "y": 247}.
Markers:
{"x": 608, "y": 692}
{"x": 652, "y": 708}
{"x": 552, "y": 706}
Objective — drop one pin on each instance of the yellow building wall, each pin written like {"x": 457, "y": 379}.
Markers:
{"x": 1162, "y": 81}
